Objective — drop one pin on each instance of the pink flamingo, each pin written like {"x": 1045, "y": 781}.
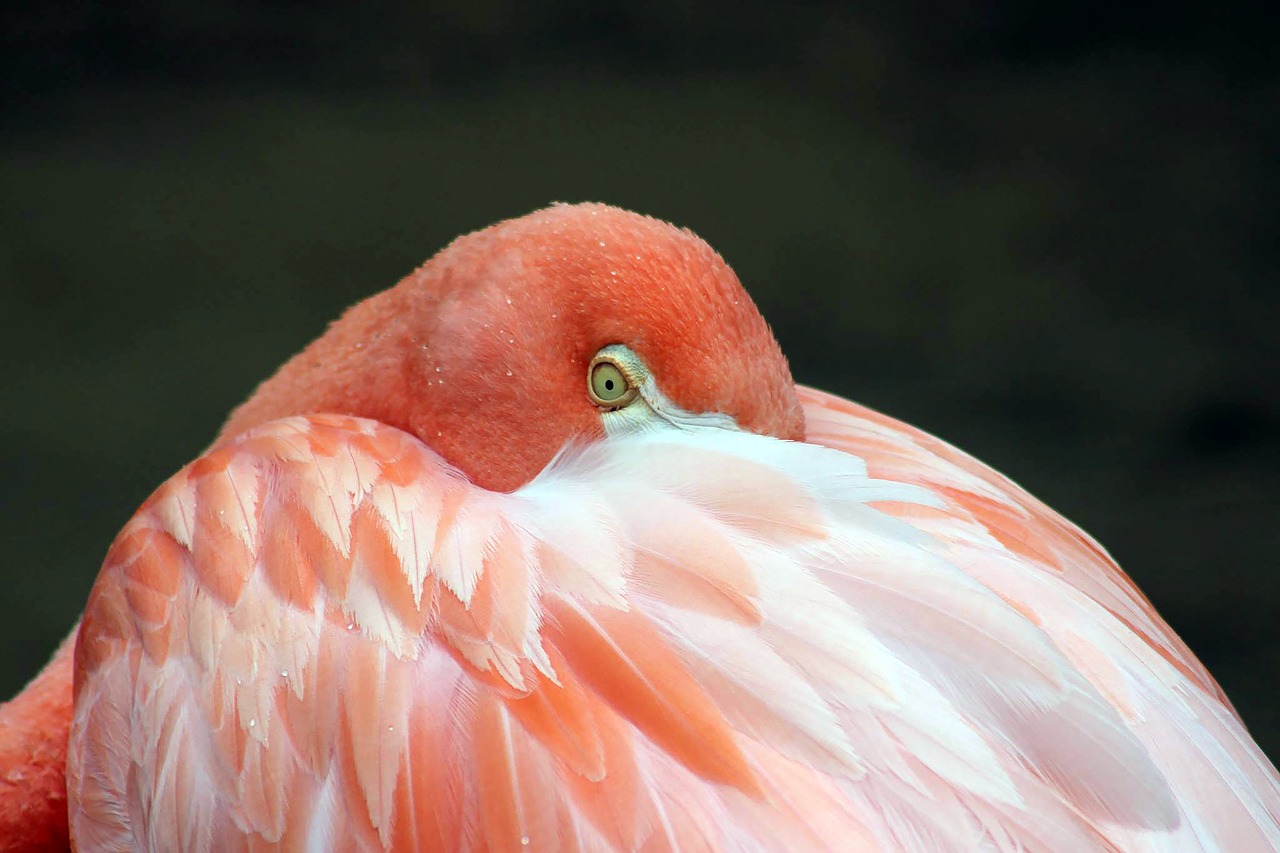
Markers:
{"x": 544, "y": 549}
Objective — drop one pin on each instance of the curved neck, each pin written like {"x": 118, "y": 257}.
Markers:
{"x": 34, "y": 727}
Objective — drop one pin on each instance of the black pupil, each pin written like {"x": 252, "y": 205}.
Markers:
{"x": 608, "y": 385}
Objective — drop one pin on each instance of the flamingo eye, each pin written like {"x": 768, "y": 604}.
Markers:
{"x": 607, "y": 385}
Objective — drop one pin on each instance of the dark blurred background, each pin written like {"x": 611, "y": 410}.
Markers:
{"x": 1045, "y": 232}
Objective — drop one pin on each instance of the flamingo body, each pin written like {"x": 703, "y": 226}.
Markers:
{"x": 402, "y": 608}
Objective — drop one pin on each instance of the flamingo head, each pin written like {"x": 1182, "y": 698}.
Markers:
{"x": 567, "y": 324}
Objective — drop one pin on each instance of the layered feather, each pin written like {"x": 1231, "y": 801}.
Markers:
{"x": 321, "y": 636}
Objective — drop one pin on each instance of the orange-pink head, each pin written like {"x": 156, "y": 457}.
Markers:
{"x": 486, "y": 352}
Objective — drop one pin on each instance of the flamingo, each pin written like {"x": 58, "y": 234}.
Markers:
{"x": 543, "y": 549}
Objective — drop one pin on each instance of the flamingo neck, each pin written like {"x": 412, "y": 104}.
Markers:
{"x": 34, "y": 726}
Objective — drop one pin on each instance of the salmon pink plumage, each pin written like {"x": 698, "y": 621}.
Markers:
{"x": 542, "y": 549}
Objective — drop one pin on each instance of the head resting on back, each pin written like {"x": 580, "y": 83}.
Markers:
{"x": 483, "y": 353}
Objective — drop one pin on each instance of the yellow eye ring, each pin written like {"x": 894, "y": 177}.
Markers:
{"x": 608, "y": 385}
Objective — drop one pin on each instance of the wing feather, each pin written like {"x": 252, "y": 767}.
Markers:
{"x": 321, "y": 636}
{"x": 1141, "y": 692}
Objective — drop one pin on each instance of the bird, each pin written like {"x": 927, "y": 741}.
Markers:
{"x": 543, "y": 548}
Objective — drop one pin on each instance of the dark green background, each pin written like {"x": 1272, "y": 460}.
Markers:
{"x": 1046, "y": 234}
